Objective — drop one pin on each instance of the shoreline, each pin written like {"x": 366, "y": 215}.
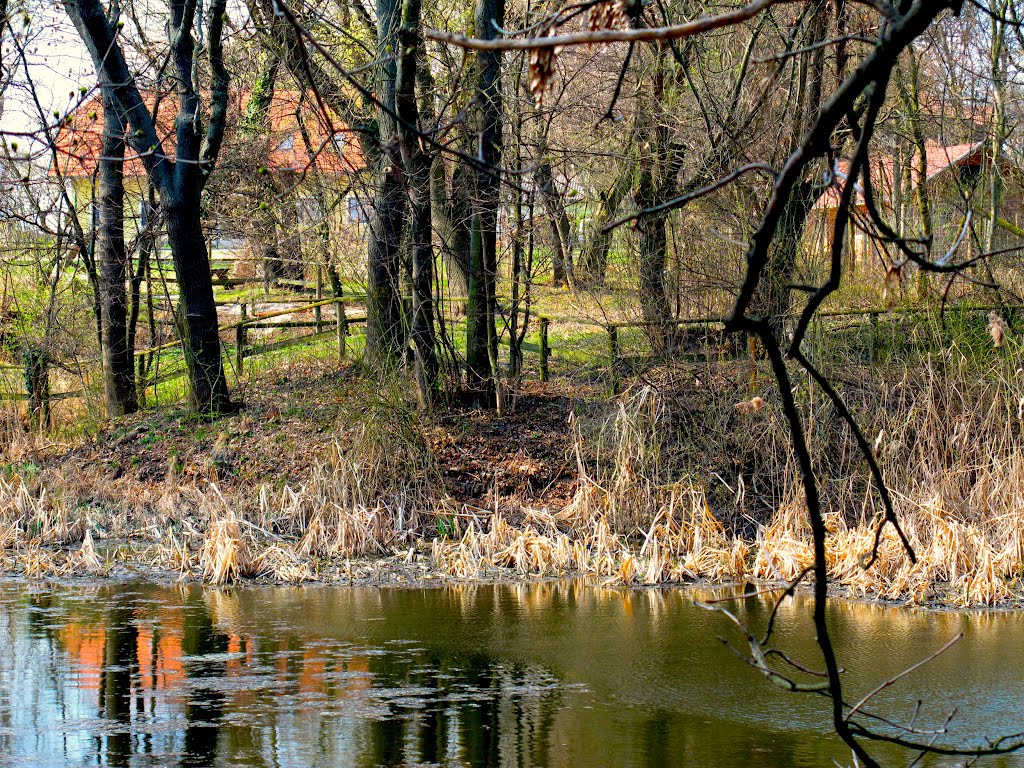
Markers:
{"x": 397, "y": 572}
{"x": 307, "y": 485}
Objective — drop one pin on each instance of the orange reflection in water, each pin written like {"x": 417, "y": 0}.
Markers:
{"x": 85, "y": 644}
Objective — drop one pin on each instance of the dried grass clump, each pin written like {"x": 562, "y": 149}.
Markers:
{"x": 627, "y": 481}
{"x": 34, "y": 515}
{"x": 282, "y": 563}
{"x": 339, "y": 519}
{"x": 224, "y": 556}
{"x": 383, "y": 457}
{"x": 949, "y": 442}
{"x": 87, "y": 559}
{"x": 684, "y": 541}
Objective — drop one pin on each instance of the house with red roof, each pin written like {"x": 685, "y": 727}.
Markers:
{"x": 299, "y": 140}
{"x": 958, "y": 183}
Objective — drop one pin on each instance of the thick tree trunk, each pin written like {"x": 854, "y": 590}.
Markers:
{"x": 265, "y": 230}
{"x": 481, "y": 334}
{"x": 384, "y": 334}
{"x": 478, "y": 365}
{"x": 181, "y": 181}
{"x": 658, "y": 165}
{"x": 290, "y": 244}
{"x": 417, "y": 163}
{"x": 449, "y": 212}
{"x": 196, "y": 308}
{"x": 118, "y": 362}
{"x": 657, "y": 312}
{"x": 775, "y": 297}
{"x": 385, "y": 338}
{"x": 908, "y": 84}
{"x": 558, "y": 222}
{"x": 451, "y": 220}
{"x": 775, "y": 294}
{"x": 594, "y": 257}
{"x": 37, "y": 382}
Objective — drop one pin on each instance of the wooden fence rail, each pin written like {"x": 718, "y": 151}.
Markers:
{"x": 615, "y": 361}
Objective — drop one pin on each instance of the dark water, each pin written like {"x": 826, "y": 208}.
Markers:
{"x": 547, "y": 675}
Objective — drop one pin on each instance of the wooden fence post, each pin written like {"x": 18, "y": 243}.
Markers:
{"x": 613, "y": 366}
{"x": 240, "y": 344}
{"x": 873, "y": 317}
{"x": 319, "y": 295}
{"x": 342, "y": 327}
{"x": 544, "y": 349}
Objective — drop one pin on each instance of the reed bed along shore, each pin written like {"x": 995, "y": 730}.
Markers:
{"x": 202, "y": 535}
{"x": 654, "y": 502}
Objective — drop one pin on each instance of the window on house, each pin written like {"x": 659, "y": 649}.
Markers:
{"x": 339, "y": 142}
{"x": 357, "y": 212}
{"x": 287, "y": 144}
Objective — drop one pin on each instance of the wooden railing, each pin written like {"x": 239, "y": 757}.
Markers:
{"x": 615, "y": 361}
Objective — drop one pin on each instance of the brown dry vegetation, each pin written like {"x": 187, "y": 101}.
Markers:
{"x": 334, "y": 476}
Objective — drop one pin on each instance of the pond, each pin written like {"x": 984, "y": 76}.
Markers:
{"x": 550, "y": 674}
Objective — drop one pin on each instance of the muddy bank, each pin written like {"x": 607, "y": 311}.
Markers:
{"x": 329, "y": 477}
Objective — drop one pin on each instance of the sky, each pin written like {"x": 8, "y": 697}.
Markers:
{"x": 58, "y": 65}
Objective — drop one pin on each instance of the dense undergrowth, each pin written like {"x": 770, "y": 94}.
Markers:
{"x": 687, "y": 475}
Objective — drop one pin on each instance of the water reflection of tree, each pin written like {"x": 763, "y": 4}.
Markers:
{"x": 477, "y": 713}
{"x": 120, "y": 663}
{"x": 204, "y": 706}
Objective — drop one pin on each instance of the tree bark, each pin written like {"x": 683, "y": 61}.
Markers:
{"x": 658, "y": 164}
{"x": 451, "y": 213}
{"x": 374, "y": 131}
{"x": 179, "y": 182}
{"x": 481, "y": 334}
{"x": 37, "y": 383}
{"x": 558, "y": 223}
{"x": 776, "y": 294}
{"x": 594, "y": 257}
{"x": 417, "y": 163}
{"x": 908, "y": 85}
{"x": 118, "y": 357}
{"x": 197, "y": 310}
{"x": 385, "y": 338}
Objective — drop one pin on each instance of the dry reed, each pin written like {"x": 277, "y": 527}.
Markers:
{"x": 646, "y": 510}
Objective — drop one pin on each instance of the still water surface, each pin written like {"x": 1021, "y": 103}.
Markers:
{"x": 556, "y": 674}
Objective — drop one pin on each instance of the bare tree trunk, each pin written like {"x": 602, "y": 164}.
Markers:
{"x": 290, "y": 244}
{"x": 481, "y": 338}
{"x": 775, "y": 291}
{"x": 146, "y": 249}
{"x": 658, "y": 164}
{"x": 452, "y": 212}
{"x": 774, "y": 300}
{"x": 998, "y": 64}
{"x": 180, "y": 182}
{"x": 197, "y": 309}
{"x": 908, "y": 85}
{"x": 417, "y": 162}
{"x": 594, "y": 258}
{"x": 385, "y": 338}
{"x": 558, "y": 222}
{"x": 118, "y": 362}
{"x": 37, "y": 382}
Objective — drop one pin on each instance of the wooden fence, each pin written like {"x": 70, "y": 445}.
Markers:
{"x": 613, "y": 360}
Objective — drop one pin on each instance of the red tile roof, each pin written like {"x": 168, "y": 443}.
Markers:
{"x": 940, "y": 158}
{"x": 334, "y": 151}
